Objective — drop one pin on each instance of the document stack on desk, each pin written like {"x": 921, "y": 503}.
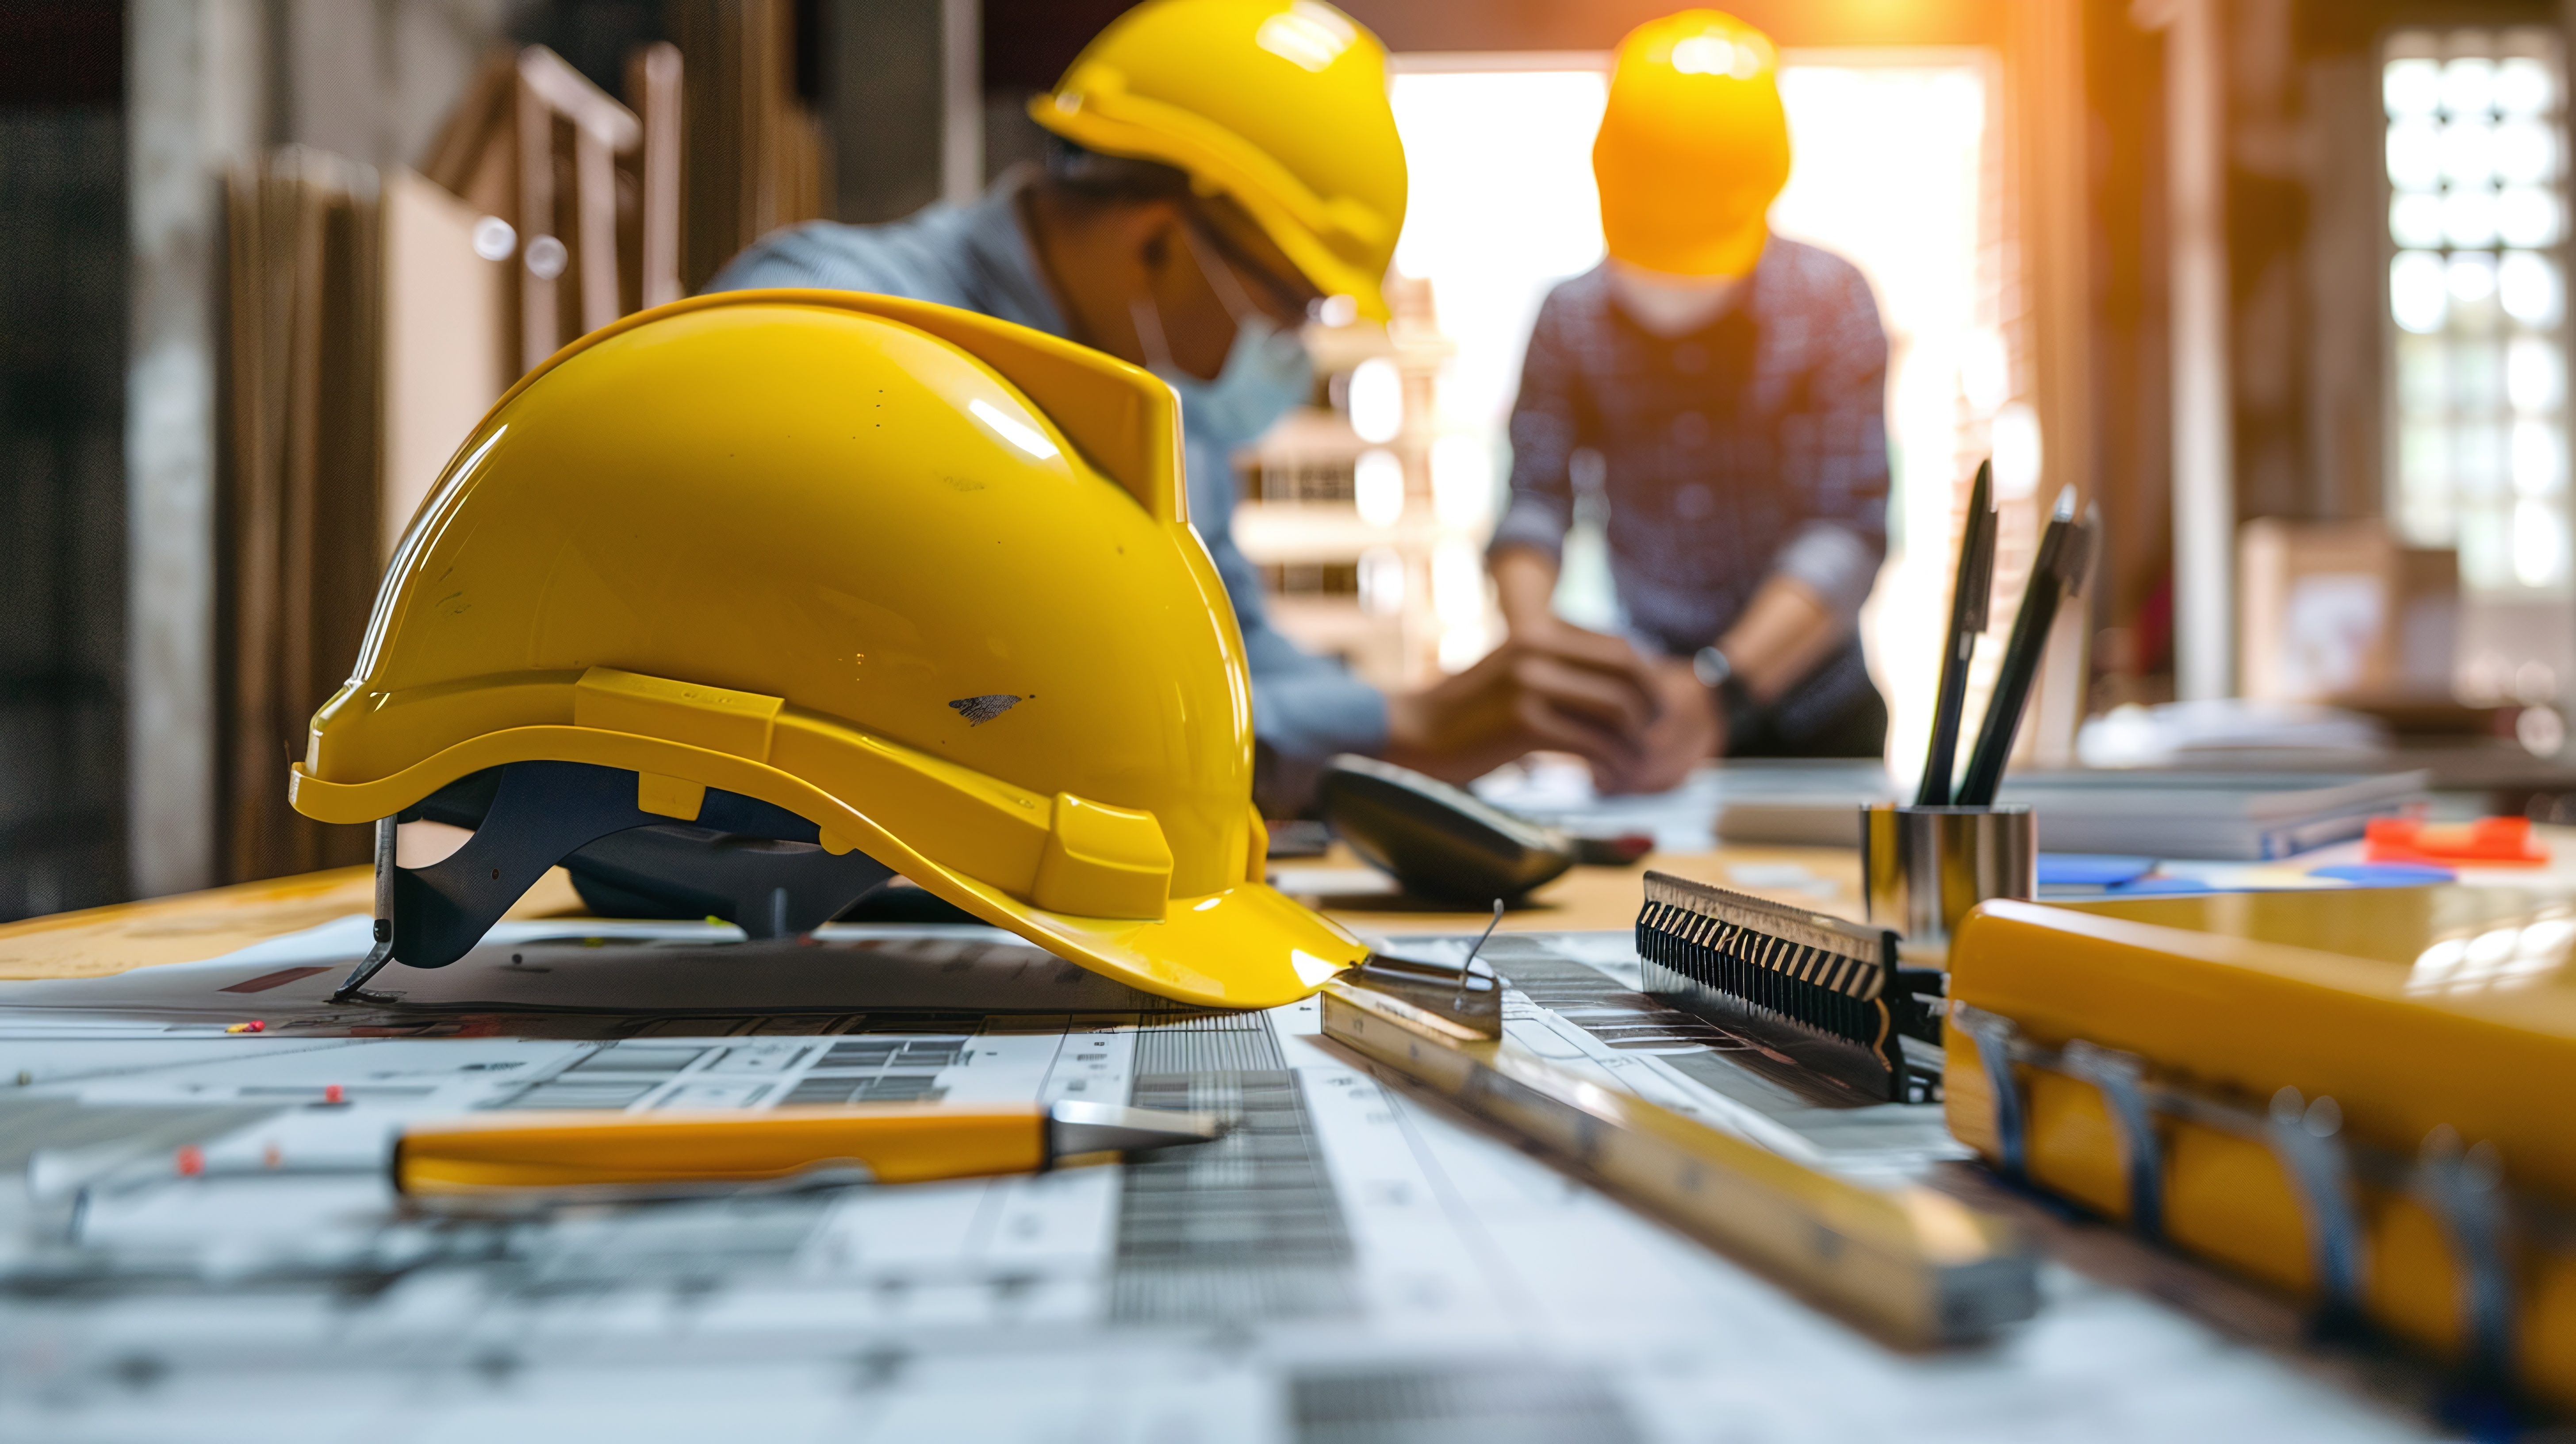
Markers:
{"x": 2213, "y": 815}
{"x": 2242, "y": 816}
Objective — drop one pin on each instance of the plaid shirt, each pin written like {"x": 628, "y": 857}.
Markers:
{"x": 1755, "y": 444}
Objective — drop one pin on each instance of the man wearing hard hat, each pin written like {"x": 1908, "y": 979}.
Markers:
{"x": 1219, "y": 169}
{"x": 1724, "y": 388}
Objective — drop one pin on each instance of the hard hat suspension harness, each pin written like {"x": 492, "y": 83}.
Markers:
{"x": 748, "y": 862}
{"x": 741, "y": 760}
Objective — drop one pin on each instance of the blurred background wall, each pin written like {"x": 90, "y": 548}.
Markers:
{"x": 262, "y": 261}
{"x": 62, "y": 474}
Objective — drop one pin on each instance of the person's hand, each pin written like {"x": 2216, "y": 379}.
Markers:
{"x": 1585, "y": 693}
{"x": 1547, "y": 634}
{"x": 1689, "y": 729}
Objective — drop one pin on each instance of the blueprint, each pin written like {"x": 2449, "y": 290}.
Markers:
{"x": 197, "y": 1239}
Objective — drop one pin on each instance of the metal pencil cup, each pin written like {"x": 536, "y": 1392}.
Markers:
{"x": 1924, "y": 867}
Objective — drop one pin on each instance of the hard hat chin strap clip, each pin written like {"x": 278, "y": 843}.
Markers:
{"x": 746, "y": 861}
{"x": 353, "y": 988}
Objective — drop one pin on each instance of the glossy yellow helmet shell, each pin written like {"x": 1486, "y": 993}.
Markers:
{"x": 1280, "y": 105}
{"x": 1693, "y": 147}
{"x": 920, "y": 577}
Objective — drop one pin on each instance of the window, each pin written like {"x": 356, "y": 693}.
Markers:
{"x": 1896, "y": 169}
{"x": 2477, "y": 212}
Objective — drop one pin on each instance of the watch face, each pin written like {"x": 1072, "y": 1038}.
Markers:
{"x": 1712, "y": 668}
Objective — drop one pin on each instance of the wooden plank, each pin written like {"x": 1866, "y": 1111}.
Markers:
{"x": 444, "y": 339}
{"x": 298, "y": 495}
{"x": 189, "y": 927}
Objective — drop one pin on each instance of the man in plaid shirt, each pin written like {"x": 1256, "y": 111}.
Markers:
{"x": 1724, "y": 389}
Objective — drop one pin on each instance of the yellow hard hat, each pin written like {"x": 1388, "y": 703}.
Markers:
{"x": 1279, "y": 105}
{"x": 1693, "y": 146}
{"x": 920, "y": 578}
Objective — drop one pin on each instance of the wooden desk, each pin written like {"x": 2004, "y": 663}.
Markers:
{"x": 98, "y": 942}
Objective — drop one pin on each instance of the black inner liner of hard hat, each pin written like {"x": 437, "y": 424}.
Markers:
{"x": 748, "y": 862}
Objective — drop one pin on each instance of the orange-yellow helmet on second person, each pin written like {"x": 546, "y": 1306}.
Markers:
{"x": 921, "y": 578}
{"x": 1279, "y": 105}
{"x": 1693, "y": 146}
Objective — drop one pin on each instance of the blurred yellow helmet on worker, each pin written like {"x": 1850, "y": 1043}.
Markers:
{"x": 1278, "y": 105}
{"x": 1693, "y": 146}
{"x": 921, "y": 578}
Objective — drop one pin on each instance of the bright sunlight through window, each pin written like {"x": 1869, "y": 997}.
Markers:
{"x": 1889, "y": 157}
{"x": 2477, "y": 209}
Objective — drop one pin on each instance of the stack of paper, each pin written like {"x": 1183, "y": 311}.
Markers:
{"x": 2219, "y": 815}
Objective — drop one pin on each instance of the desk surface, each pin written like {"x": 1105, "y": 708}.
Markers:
{"x": 99, "y": 942}
{"x": 1357, "y": 1264}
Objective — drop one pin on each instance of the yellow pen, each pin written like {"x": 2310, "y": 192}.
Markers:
{"x": 589, "y": 1156}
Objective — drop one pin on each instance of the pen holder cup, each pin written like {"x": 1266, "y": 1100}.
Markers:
{"x": 1922, "y": 868}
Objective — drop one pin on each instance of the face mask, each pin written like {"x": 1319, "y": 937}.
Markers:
{"x": 1670, "y": 305}
{"x": 1266, "y": 370}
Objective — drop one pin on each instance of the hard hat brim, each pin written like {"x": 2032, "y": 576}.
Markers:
{"x": 1244, "y": 946}
{"x": 1291, "y": 216}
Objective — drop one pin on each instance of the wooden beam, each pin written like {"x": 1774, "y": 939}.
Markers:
{"x": 2046, "y": 68}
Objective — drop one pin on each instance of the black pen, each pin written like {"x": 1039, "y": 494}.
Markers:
{"x": 2065, "y": 551}
{"x": 1967, "y": 619}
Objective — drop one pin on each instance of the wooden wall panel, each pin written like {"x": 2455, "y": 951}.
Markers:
{"x": 297, "y": 489}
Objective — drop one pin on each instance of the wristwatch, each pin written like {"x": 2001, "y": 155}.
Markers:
{"x": 1717, "y": 674}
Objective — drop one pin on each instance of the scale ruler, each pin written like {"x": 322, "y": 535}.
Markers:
{"x": 1914, "y": 1266}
